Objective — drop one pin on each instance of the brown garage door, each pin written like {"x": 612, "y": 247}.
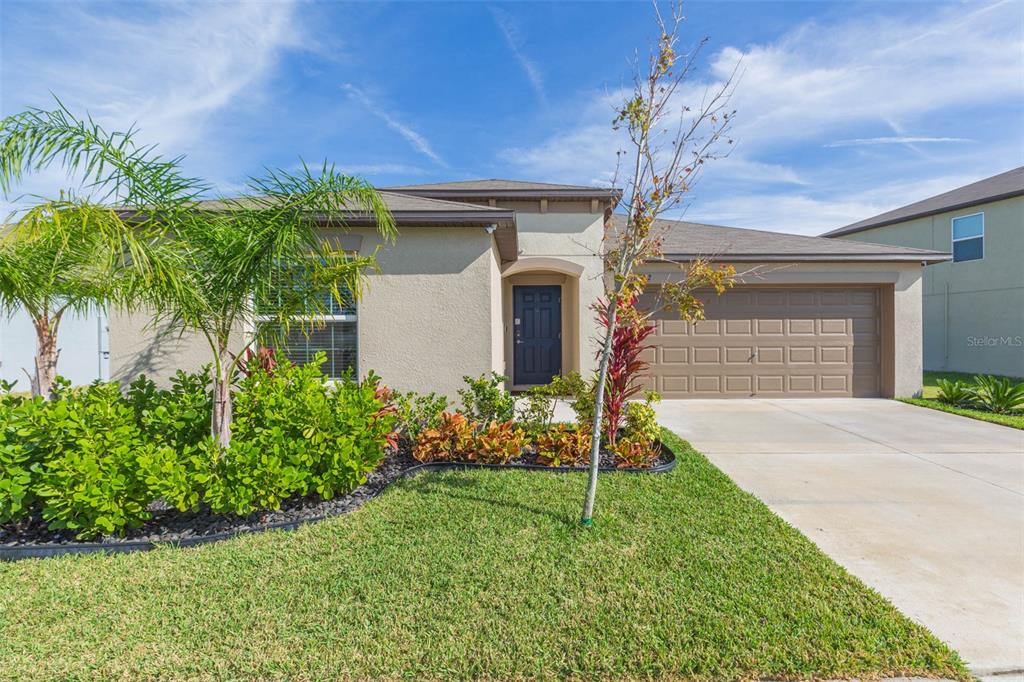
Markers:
{"x": 797, "y": 342}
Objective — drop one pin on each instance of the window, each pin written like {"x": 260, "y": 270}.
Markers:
{"x": 969, "y": 237}
{"x": 335, "y": 334}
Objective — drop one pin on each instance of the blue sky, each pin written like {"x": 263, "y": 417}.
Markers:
{"x": 844, "y": 109}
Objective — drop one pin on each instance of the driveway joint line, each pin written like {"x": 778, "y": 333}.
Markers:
{"x": 896, "y": 449}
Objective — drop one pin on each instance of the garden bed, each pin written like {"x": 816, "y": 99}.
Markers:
{"x": 32, "y": 539}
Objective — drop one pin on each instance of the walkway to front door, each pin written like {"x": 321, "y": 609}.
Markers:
{"x": 537, "y": 334}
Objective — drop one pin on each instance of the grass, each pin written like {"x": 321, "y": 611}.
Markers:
{"x": 1015, "y": 421}
{"x": 931, "y": 383}
{"x": 930, "y": 392}
{"x": 482, "y": 574}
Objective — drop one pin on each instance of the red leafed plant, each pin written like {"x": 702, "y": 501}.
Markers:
{"x": 624, "y": 364}
{"x": 264, "y": 359}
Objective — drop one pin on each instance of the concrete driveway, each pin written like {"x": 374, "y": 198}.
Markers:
{"x": 923, "y": 506}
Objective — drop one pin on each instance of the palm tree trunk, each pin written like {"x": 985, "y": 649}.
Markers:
{"x": 220, "y": 425}
{"x": 45, "y": 372}
{"x": 595, "y": 428}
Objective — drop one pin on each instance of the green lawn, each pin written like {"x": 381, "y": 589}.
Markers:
{"x": 931, "y": 390}
{"x": 475, "y": 575}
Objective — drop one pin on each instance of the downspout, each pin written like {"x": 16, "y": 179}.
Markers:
{"x": 945, "y": 332}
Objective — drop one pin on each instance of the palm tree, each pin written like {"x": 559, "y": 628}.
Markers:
{"x": 259, "y": 263}
{"x": 73, "y": 253}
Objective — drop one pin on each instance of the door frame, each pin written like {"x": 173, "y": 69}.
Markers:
{"x": 561, "y": 328}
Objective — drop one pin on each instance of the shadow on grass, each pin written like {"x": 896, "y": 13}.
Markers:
{"x": 458, "y": 486}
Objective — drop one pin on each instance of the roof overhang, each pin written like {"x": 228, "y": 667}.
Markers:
{"x": 858, "y": 227}
{"x": 924, "y": 258}
{"x": 610, "y": 194}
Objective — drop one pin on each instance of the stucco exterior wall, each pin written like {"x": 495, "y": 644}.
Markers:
{"x": 973, "y": 310}
{"x": 901, "y": 346}
{"x": 570, "y": 232}
{"x": 137, "y": 347}
{"x": 426, "y": 319}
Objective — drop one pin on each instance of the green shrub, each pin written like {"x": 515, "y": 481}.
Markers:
{"x": 642, "y": 422}
{"x": 416, "y": 412}
{"x": 955, "y": 392}
{"x": 485, "y": 399}
{"x": 18, "y": 419}
{"x": 87, "y": 443}
{"x": 295, "y": 433}
{"x": 537, "y": 410}
{"x": 580, "y": 391}
{"x": 179, "y": 416}
{"x": 998, "y": 394}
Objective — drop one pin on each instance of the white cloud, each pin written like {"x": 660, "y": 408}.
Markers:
{"x": 420, "y": 143}
{"x": 172, "y": 68}
{"x": 808, "y": 91}
{"x": 510, "y": 30}
{"x": 895, "y": 139}
{"x": 810, "y": 214}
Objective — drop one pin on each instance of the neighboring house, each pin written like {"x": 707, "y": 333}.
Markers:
{"x": 973, "y": 305}
{"x": 82, "y": 342}
{"x": 499, "y": 275}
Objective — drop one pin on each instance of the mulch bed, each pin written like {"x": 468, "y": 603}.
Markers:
{"x": 168, "y": 525}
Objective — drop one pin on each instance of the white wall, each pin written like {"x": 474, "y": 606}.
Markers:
{"x": 81, "y": 341}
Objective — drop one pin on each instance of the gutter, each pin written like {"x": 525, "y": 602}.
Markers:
{"x": 924, "y": 258}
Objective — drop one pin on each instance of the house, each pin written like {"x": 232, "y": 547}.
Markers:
{"x": 973, "y": 304}
{"x": 499, "y": 275}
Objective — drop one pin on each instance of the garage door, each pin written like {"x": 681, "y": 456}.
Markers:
{"x": 795, "y": 342}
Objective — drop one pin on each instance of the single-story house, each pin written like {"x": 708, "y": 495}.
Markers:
{"x": 499, "y": 275}
{"x": 973, "y": 304}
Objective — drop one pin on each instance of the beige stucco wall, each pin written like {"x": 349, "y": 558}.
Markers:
{"x": 426, "y": 319}
{"x": 903, "y": 366}
{"x": 973, "y": 310}
{"x": 561, "y": 241}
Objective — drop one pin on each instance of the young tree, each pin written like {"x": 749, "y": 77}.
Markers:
{"x": 73, "y": 253}
{"x": 669, "y": 143}
{"x": 253, "y": 266}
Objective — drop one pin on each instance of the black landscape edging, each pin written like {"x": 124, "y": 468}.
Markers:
{"x": 45, "y": 550}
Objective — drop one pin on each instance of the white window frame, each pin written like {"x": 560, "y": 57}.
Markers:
{"x": 964, "y": 239}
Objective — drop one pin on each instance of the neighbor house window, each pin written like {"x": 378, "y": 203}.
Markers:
{"x": 334, "y": 334}
{"x": 969, "y": 237}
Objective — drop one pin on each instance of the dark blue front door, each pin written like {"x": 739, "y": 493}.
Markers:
{"x": 537, "y": 333}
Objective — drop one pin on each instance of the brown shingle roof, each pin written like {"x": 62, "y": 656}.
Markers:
{"x": 1002, "y": 186}
{"x": 507, "y": 189}
{"x": 684, "y": 240}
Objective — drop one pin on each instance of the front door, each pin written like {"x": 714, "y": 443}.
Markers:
{"x": 536, "y": 333}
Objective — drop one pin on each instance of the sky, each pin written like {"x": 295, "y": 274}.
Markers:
{"x": 843, "y": 109}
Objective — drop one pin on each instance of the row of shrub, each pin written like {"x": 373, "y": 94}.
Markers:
{"x": 999, "y": 395}
{"x": 93, "y": 459}
{"x": 489, "y": 429}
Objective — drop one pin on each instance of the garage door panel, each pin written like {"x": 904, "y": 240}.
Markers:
{"x": 778, "y": 342}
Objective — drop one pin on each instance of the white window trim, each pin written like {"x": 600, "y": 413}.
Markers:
{"x": 964, "y": 239}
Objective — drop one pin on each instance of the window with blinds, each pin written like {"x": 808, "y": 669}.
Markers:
{"x": 336, "y": 338}
{"x": 334, "y": 334}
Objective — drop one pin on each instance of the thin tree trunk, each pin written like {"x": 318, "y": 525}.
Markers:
{"x": 220, "y": 425}
{"x": 46, "y": 357}
{"x": 595, "y": 430}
